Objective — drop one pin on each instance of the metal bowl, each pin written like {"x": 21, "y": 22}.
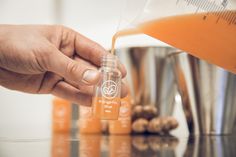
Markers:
{"x": 150, "y": 76}
{"x": 208, "y": 94}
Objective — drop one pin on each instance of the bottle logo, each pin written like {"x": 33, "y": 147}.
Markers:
{"x": 109, "y": 89}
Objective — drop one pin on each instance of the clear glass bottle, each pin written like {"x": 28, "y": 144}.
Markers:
{"x": 106, "y": 99}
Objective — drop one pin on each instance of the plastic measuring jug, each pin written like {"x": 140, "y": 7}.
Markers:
{"x": 203, "y": 28}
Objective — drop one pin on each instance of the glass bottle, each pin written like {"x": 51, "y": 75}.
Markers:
{"x": 106, "y": 98}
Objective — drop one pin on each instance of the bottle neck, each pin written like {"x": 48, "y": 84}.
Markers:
{"x": 109, "y": 61}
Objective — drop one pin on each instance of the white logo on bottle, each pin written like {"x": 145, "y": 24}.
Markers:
{"x": 109, "y": 89}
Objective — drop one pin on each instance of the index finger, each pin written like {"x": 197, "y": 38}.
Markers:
{"x": 88, "y": 49}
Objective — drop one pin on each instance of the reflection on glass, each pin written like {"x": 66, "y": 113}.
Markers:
{"x": 60, "y": 145}
{"x": 144, "y": 146}
{"x": 120, "y": 146}
{"x": 96, "y": 145}
{"x": 211, "y": 146}
{"x": 89, "y": 145}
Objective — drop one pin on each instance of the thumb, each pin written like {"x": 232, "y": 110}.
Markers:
{"x": 72, "y": 70}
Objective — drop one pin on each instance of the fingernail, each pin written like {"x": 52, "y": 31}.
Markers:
{"x": 90, "y": 77}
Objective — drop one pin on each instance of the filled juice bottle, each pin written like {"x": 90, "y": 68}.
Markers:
{"x": 61, "y": 115}
{"x": 205, "y": 37}
{"x": 123, "y": 124}
{"x": 106, "y": 99}
{"x": 88, "y": 123}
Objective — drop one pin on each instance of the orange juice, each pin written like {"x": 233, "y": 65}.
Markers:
{"x": 203, "y": 36}
{"x": 89, "y": 145}
{"x": 120, "y": 146}
{"x": 106, "y": 109}
{"x": 122, "y": 33}
{"x": 61, "y": 115}
{"x": 123, "y": 124}
{"x": 60, "y": 145}
{"x": 87, "y": 122}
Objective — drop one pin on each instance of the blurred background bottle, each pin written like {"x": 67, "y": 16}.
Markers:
{"x": 61, "y": 115}
{"x": 123, "y": 124}
{"x": 88, "y": 123}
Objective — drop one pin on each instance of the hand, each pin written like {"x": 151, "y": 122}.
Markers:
{"x": 50, "y": 59}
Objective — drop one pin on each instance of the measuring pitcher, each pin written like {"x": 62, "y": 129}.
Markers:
{"x": 203, "y": 28}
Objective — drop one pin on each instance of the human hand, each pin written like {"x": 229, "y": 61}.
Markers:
{"x": 50, "y": 59}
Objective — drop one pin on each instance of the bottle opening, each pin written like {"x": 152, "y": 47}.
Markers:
{"x": 110, "y": 61}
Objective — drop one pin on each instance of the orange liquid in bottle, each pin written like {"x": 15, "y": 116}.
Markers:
{"x": 106, "y": 109}
{"x": 203, "y": 36}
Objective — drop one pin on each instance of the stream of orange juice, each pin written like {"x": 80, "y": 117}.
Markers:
{"x": 203, "y": 36}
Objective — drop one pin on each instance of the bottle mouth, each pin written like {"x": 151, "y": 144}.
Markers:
{"x": 109, "y": 61}
{"x": 109, "y": 57}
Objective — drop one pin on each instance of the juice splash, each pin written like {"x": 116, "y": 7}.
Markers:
{"x": 205, "y": 37}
